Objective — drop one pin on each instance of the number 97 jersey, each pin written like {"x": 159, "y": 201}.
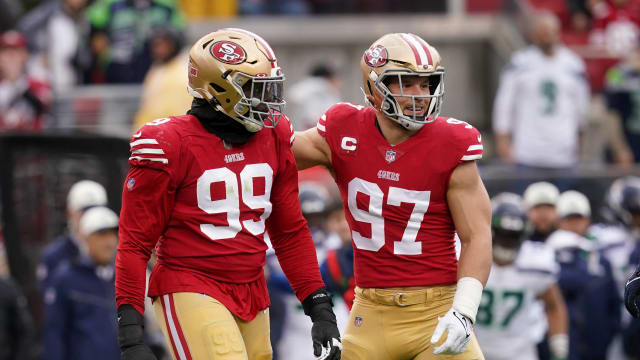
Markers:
{"x": 395, "y": 196}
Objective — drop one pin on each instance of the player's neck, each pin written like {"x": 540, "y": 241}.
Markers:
{"x": 392, "y": 131}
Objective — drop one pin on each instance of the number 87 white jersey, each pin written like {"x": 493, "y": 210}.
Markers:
{"x": 508, "y": 310}
{"x": 395, "y": 196}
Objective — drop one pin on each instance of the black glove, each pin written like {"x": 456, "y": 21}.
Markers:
{"x": 131, "y": 335}
{"x": 632, "y": 294}
{"x": 324, "y": 333}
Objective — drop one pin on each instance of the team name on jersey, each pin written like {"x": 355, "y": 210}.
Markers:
{"x": 233, "y": 157}
{"x": 388, "y": 175}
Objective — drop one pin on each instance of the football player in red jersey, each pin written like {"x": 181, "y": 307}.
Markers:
{"x": 202, "y": 189}
{"x": 409, "y": 182}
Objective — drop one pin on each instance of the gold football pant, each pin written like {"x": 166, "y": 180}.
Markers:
{"x": 393, "y": 325}
{"x": 199, "y": 327}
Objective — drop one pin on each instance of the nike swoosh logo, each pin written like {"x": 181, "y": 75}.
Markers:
{"x": 464, "y": 323}
{"x": 479, "y": 138}
{"x": 138, "y": 134}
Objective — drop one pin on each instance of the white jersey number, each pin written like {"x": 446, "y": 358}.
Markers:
{"x": 230, "y": 204}
{"x": 396, "y": 196}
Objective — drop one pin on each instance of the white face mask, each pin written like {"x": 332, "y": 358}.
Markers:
{"x": 504, "y": 255}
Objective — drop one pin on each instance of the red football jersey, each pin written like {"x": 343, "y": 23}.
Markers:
{"x": 395, "y": 196}
{"x": 205, "y": 205}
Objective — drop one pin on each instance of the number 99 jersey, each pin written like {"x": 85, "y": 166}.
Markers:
{"x": 207, "y": 205}
{"x": 395, "y": 196}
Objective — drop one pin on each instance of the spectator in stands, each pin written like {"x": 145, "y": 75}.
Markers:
{"x": 540, "y": 203}
{"x": 121, "y": 31}
{"x": 277, "y": 7}
{"x": 541, "y": 104}
{"x": 623, "y": 111}
{"x": 616, "y": 26}
{"x": 24, "y": 101}
{"x": 82, "y": 196}
{"x": 163, "y": 91}
{"x": 10, "y": 11}
{"x": 586, "y": 280}
{"x": 80, "y": 313}
{"x": 55, "y": 60}
{"x": 313, "y": 95}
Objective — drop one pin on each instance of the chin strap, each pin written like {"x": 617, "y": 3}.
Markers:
{"x": 219, "y": 124}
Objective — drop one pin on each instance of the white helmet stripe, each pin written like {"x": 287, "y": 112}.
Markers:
{"x": 265, "y": 45}
{"x": 413, "y": 48}
{"x": 417, "y": 46}
{"x": 425, "y": 46}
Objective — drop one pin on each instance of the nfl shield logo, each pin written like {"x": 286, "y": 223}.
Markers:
{"x": 390, "y": 156}
{"x": 131, "y": 183}
{"x": 357, "y": 321}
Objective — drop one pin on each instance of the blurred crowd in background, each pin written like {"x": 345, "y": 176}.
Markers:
{"x": 545, "y": 96}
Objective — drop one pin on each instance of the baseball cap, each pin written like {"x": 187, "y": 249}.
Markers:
{"x": 540, "y": 193}
{"x": 97, "y": 219}
{"x": 573, "y": 203}
{"x": 84, "y": 194}
{"x": 12, "y": 38}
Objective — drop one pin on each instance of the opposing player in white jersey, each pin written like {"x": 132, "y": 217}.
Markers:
{"x": 522, "y": 272}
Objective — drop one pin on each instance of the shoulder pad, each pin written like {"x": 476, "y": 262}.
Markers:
{"x": 336, "y": 112}
{"x": 538, "y": 256}
{"x": 284, "y": 129}
{"x": 467, "y": 139}
{"x": 154, "y": 144}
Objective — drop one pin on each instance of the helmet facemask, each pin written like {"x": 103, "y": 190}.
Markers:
{"x": 390, "y": 105}
{"x": 262, "y": 103}
{"x": 506, "y": 245}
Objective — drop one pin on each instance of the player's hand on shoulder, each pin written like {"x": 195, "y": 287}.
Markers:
{"x": 632, "y": 294}
{"x": 458, "y": 330}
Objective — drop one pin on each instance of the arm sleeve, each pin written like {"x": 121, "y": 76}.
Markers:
{"x": 288, "y": 230}
{"x": 145, "y": 211}
{"x": 583, "y": 95}
{"x": 504, "y": 102}
{"x": 148, "y": 196}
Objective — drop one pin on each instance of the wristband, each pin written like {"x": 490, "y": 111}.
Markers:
{"x": 319, "y": 296}
{"x": 467, "y": 298}
{"x": 559, "y": 345}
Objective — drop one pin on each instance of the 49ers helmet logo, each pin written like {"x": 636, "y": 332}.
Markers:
{"x": 228, "y": 52}
{"x": 376, "y": 56}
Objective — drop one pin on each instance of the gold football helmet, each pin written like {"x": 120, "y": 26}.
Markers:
{"x": 397, "y": 55}
{"x": 237, "y": 72}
